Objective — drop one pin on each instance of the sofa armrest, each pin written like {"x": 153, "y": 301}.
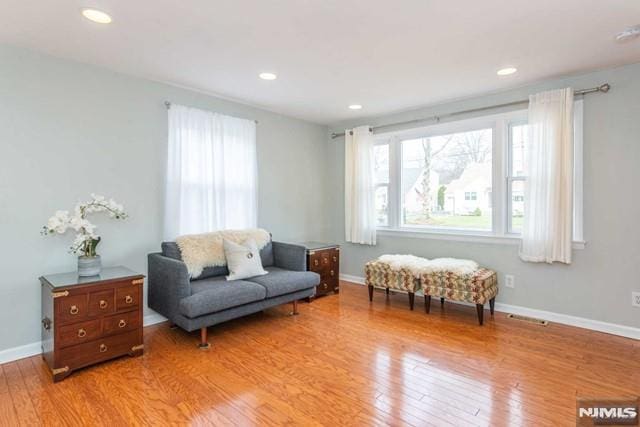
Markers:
{"x": 168, "y": 283}
{"x": 290, "y": 256}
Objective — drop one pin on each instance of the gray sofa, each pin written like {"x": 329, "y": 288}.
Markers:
{"x": 211, "y": 299}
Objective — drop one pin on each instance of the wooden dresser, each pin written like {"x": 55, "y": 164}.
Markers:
{"x": 86, "y": 320}
{"x": 324, "y": 259}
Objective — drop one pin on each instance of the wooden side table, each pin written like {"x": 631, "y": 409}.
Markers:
{"x": 324, "y": 259}
{"x": 86, "y": 320}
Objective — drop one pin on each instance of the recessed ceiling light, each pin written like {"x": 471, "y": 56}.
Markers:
{"x": 96, "y": 15}
{"x": 355, "y": 107}
{"x": 268, "y": 76}
{"x": 628, "y": 34}
{"x": 507, "y": 71}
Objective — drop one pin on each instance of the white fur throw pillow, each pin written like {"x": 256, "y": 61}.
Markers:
{"x": 243, "y": 260}
{"x": 205, "y": 250}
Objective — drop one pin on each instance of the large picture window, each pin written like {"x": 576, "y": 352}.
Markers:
{"x": 464, "y": 177}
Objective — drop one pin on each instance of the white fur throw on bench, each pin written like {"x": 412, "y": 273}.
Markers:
{"x": 205, "y": 250}
{"x": 418, "y": 266}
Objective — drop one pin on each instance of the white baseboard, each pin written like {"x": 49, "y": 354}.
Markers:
{"x": 565, "y": 319}
{"x": 28, "y": 350}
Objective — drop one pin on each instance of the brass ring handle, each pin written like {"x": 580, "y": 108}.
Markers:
{"x": 128, "y": 299}
{"x": 122, "y": 323}
{"x": 315, "y": 262}
{"x": 103, "y": 348}
{"x": 324, "y": 286}
{"x": 335, "y": 259}
{"x": 333, "y": 272}
{"x": 103, "y": 304}
{"x": 82, "y": 333}
{"x": 74, "y": 309}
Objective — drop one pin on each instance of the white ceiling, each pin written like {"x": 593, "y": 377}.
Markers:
{"x": 386, "y": 55}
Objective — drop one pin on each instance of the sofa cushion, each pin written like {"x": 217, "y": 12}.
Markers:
{"x": 171, "y": 250}
{"x": 217, "y": 294}
{"x": 280, "y": 281}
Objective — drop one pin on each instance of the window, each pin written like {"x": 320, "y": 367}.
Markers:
{"x": 464, "y": 177}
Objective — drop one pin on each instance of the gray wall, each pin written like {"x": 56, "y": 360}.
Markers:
{"x": 68, "y": 129}
{"x": 598, "y": 284}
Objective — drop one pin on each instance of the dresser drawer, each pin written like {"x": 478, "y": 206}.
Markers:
{"x": 78, "y": 333}
{"x": 320, "y": 260}
{"x": 127, "y": 297}
{"x": 101, "y": 302}
{"x": 99, "y": 350}
{"x": 71, "y": 309}
{"x": 119, "y": 323}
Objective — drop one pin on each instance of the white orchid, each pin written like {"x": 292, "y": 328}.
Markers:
{"x": 86, "y": 238}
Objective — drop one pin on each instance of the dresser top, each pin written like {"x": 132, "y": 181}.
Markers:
{"x": 314, "y": 246}
{"x": 65, "y": 280}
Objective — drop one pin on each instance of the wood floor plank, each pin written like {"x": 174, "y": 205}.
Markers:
{"x": 342, "y": 361}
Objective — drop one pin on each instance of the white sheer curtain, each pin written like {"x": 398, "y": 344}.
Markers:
{"x": 211, "y": 172}
{"x": 548, "y": 213}
{"x": 360, "y": 213}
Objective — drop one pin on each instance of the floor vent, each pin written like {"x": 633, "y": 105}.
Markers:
{"x": 528, "y": 319}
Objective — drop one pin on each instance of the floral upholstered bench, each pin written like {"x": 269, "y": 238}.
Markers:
{"x": 447, "y": 278}
{"x": 477, "y": 288}
{"x": 380, "y": 274}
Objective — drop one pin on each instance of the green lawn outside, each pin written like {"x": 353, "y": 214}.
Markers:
{"x": 481, "y": 222}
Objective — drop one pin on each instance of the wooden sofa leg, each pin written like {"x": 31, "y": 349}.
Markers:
{"x": 204, "y": 343}
{"x": 295, "y": 308}
{"x": 480, "y": 309}
{"x": 411, "y": 299}
{"x": 370, "y": 292}
{"x": 492, "y": 304}
{"x": 427, "y": 303}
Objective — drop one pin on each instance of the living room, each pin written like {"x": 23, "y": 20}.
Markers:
{"x": 247, "y": 213}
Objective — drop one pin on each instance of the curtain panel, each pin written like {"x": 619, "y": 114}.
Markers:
{"x": 211, "y": 179}
{"x": 360, "y": 213}
{"x": 548, "y": 213}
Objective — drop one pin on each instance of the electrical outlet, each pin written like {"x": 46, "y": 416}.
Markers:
{"x": 635, "y": 299}
{"x": 509, "y": 281}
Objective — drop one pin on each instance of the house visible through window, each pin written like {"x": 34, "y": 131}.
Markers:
{"x": 443, "y": 177}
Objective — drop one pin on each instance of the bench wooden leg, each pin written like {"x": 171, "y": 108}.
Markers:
{"x": 411, "y": 299}
{"x": 492, "y": 304}
{"x": 370, "y": 292}
{"x": 480, "y": 309}
{"x": 204, "y": 343}
{"x": 295, "y": 308}
{"x": 427, "y": 303}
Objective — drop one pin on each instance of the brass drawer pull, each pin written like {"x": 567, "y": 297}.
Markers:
{"x": 122, "y": 323}
{"x": 324, "y": 286}
{"x": 74, "y": 310}
{"x": 103, "y": 304}
{"x": 103, "y": 348}
{"x": 335, "y": 259}
{"x": 333, "y": 273}
{"x": 128, "y": 299}
{"x": 315, "y": 262}
{"x": 82, "y": 333}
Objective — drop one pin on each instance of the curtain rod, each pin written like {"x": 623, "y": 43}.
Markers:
{"x": 604, "y": 88}
{"x": 168, "y": 105}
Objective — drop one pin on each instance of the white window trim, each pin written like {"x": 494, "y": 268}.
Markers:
{"x": 500, "y": 233}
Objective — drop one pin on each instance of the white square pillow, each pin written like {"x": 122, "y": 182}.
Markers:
{"x": 243, "y": 260}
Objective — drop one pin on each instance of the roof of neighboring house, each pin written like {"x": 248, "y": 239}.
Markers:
{"x": 475, "y": 176}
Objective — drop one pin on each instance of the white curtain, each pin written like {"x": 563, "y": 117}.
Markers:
{"x": 548, "y": 212}
{"x": 360, "y": 213}
{"x": 211, "y": 172}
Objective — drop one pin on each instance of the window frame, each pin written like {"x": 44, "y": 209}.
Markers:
{"x": 502, "y": 180}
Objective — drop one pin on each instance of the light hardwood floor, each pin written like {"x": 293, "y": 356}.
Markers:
{"x": 342, "y": 361}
